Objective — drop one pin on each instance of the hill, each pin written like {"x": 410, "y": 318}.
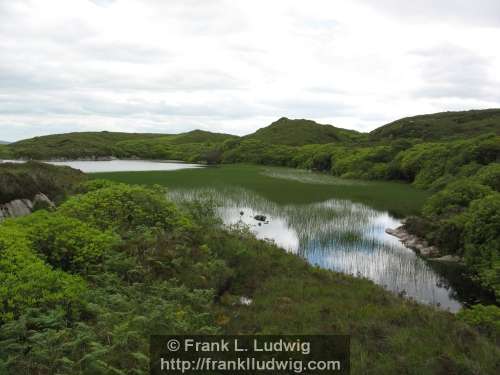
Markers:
{"x": 73, "y": 145}
{"x": 102, "y": 144}
{"x": 302, "y": 132}
{"x": 442, "y": 125}
{"x": 201, "y": 136}
{"x": 4, "y": 142}
{"x": 284, "y": 135}
{"x": 24, "y": 180}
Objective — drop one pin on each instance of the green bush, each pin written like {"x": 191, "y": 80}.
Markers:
{"x": 455, "y": 198}
{"x": 27, "y": 282}
{"x": 482, "y": 240}
{"x": 65, "y": 242}
{"x": 123, "y": 208}
{"x": 484, "y": 318}
{"x": 490, "y": 176}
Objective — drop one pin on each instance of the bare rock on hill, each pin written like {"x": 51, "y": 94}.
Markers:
{"x": 23, "y": 207}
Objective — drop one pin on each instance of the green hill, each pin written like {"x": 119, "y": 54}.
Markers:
{"x": 73, "y": 145}
{"x": 302, "y": 132}
{"x": 24, "y": 180}
{"x": 442, "y": 125}
{"x": 103, "y": 144}
{"x": 197, "y": 144}
{"x": 201, "y": 136}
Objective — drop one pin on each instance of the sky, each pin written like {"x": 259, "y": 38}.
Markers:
{"x": 236, "y": 65}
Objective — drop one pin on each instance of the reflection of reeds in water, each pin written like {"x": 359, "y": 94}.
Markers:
{"x": 335, "y": 234}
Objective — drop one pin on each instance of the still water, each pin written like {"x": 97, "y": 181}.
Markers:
{"x": 335, "y": 234}
{"x": 121, "y": 165}
{"x": 332, "y": 230}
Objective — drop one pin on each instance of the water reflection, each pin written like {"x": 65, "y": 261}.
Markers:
{"x": 335, "y": 234}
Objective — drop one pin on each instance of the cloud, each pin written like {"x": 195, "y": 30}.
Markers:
{"x": 478, "y": 12}
{"x": 234, "y": 65}
{"x": 449, "y": 71}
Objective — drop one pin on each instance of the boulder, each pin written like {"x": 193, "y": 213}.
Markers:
{"x": 260, "y": 217}
{"x": 41, "y": 201}
{"x": 23, "y": 207}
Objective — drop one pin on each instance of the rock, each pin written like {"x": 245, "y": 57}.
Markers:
{"x": 23, "y": 207}
{"x": 242, "y": 213}
{"x": 447, "y": 258}
{"x": 260, "y": 217}
{"x": 41, "y": 201}
{"x": 245, "y": 301}
{"x": 420, "y": 246}
{"x": 390, "y": 231}
{"x": 18, "y": 207}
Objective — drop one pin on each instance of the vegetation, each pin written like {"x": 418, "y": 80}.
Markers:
{"x": 72, "y": 145}
{"x": 302, "y": 132}
{"x": 25, "y": 180}
{"x": 284, "y": 186}
{"x": 94, "y": 145}
{"x": 83, "y": 289}
{"x": 143, "y": 240}
{"x": 5, "y": 152}
{"x": 442, "y": 126}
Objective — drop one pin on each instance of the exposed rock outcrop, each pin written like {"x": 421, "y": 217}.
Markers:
{"x": 23, "y": 207}
{"x": 419, "y": 245}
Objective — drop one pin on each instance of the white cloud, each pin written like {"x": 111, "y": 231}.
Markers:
{"x": 235, "y": 65}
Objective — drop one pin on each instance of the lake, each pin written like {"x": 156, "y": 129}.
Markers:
{"x": 119, "y": 165}
{"x": 333, "y": 223}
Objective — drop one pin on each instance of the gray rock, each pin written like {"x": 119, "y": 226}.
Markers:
{"x": 42, "y": 201}
{"x": 260, "y": 217}
{"x": 447, "y": 258}
{"x": 18, "y": 207}
{"x": 23, "y": 207}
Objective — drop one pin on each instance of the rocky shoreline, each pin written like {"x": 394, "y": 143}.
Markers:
{"x": 420, "y": 246}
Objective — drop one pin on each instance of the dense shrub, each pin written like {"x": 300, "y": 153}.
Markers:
{"x": 485, "y": 318}
{"x": 123, "y": 208}
{"x": 455, "y": 198}
{"x": 482, "y": 240}
{"x": 27, "y": 282}
{"x": 490, "y": 176}
{"x": 65, "y": 242}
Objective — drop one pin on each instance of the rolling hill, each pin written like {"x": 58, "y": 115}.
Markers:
{"x": 4, "y": 143}
{"x": 440, "y": 126}
{"x": 196, "y": 144}
{"x": 103, "y": 144}
{"x": 302, "y": 132}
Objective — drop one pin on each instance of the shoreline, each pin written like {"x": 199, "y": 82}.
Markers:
{"x": 421, "y": 246}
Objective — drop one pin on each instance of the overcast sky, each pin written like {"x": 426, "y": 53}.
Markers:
{"x": 237, "y": 65}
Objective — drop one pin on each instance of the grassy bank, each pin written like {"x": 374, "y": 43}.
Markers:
{"x": 123, "y": 262}
{"x": 285, "y": 185}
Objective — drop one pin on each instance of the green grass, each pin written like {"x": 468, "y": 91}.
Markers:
{"x": 399, "y": 199}
{"x": 389, "y": 335}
